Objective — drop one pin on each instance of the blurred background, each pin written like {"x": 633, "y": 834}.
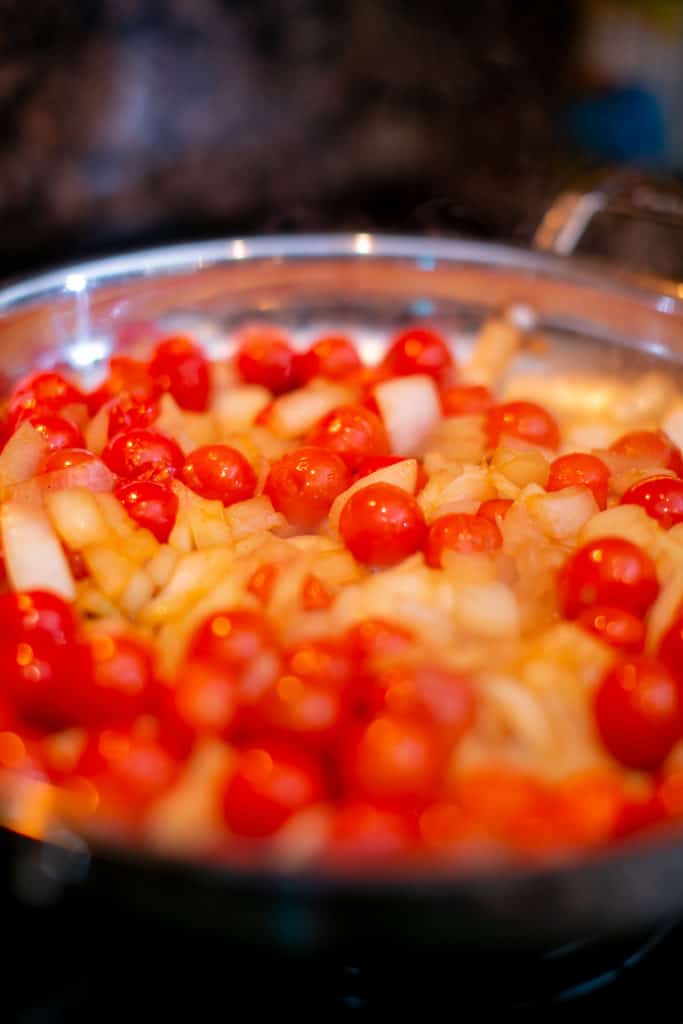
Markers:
{"x": 127, "y": 122}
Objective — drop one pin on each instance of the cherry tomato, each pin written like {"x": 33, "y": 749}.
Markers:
{"x": 36, "y": 616}
{"x": 437, "y": 697}
{"x": 303, "y": 484}
{"x": 649, "y": 448}
{"x": 524, "y": 420}
{"x": 363, "y": 833}
{"x": 220, "y": 472}
{"x": 113, "y": 688}
{"x": 202, "y": 702}
{"x": 374, "y": 462}
{"x": 495, "y": 510}
{"x": 240, "y": 640}
{"x": 578, "y": 469}
{"x": 377, "y": 638}
{"x": 466, "y": 400}
{"x": 265, "y": 357}
{"x": 66, "y": 458}
{"x": 609, "y": 571}
{"x": 466, "y": 534}
{"x": 143, "y": 452}
{"x": 351, "y": 431}
{"x": 125, "y": 374}
{"x": 639, "y": 712}
{"x": 57, "y": 431}
{"x": 132, "y": 410}
{"x": 270, "y": 783}
{"x": 639, "y": 815}
{"x": 617, "y": 627}
{"x": 41, "y": 394}
{"x": 395, "y": 762}
{"x": 35, "y": 671}
{"x": 180, "y": 367}
{"x": 332, "y": 356}
{"x": 381, "y": 525}
{"x": 670, "y": 651}
{"x": 151, "y": 505}
{"x": 660, "y": 496}
{"x": 418, "y": 350}
{"x": 131, "y": 769}
{"x": 498, "y": 798}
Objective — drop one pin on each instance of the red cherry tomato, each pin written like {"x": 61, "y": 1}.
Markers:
{"x": 418, "y": 350}
{"x": 36, "y": 616}
{"x": 202, "y": 701}
{"x": 495, "y": 510}
{"x": 303, "y": 484}
{"x": 610, "y": 571}
{"x": 220, "y": 472}
{"x": 395, "y": 762}
{"x": 41, "y": 394}
{"x": 351, "y": 431}
{"x": 374, "y": 462}
{"x": 466, "y": 534}
{"x": 35, "y": 671}
{"x": 437, "y": 697}
{"x": 57, "y": 431}
{"x": 466, "y": 400}
{"x": 125, "y": 374}
{"x": 617, "y": 627}
{"x": 180, "y": 367}
{"x": 240, "y": 640}
{"x": 639, "y": 712}
{"x": 363, "y": 834}
{"x": 151, "y": 505}
{"x": 524, "y": 420}
{"x": 377, "y": 638}
{"x": 142, "y": 452}
{"x": 132, "y": 410}
{"x": 660, "y": 496}
{"x": 265, "y": 357}
{"x": 381, "y": 525}
{"x": 130, "y": 769}
{"x": 66, "y": 458}
{"x": 670, "y": 651}
{"x": 579, "y": 469}
{"x": 113, "y": 687}
{"x": 270, "y": 783}
{"x": 332, "y": 356}
{"x": 648, "y": 448}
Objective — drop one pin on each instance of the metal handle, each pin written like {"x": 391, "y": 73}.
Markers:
{"x": 625, "y": 193}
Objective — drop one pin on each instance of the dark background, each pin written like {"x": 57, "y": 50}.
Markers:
{"x": 135, "y": 121}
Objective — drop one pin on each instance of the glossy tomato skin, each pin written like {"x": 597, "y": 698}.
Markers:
{"x": 495, "y": 510}
{"x": 180, "y": 367}
{"x": 303, "y": 484}
{"x": 418, "y": 350}
{"x": 41, "y": 394}
{"x": 143, "y": 453}
{"x": 579, "y": 469}
{"x": 332, "y": 356}
{"x": 34, "y": 674}
{"x": 151, "y": 505}
{"x": 526, "y": 421}
{"x": 237, "y": 639}
{"x": 460, "y": 532}
{"x": 36, "y": 615}
{"x": 125, "y": 375}
{"x": 219, "y": 472}
{"x": 57, "y": 431}
{"x": 266, "y": 357}
{"x": 616, "y": 626}
{"x": 660, "y": 496}
{"x": 132, "y": 410}
{"x": 353, "y": 432}
{"x": 639, "y": 712}
{"x": 270, "y": 783}
{"x": 466, "y": 400}
{"x": 609, "y": 571}
{"x": 647, "y": 448}
{"x": 381, "y": 525}
{"x": 66, "y": 458}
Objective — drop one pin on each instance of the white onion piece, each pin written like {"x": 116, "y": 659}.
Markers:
{"x": 410, "y": 409}
{"x": 34, "y": 556}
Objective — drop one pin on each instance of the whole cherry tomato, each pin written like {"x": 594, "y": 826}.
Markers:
{"x": 266, "y": 357}
{"x": 579, "y": 469}
{"x": 660, "y": 496}
{"x": 179, "y": 366}
{"x": 220, "y": 472}
{"x": 57, "y": 431}
{"x": 418, "y": 350}
{"x": 131, "y": 411}
{"x": 152, "y": 505}
{"x": 332, "y": 356}
{"x": 609, "y": 571}
{"x": 647, "y": 448}
{"x": 353, "y": 432}
{"x": 524, "y": 420}
{"x": 41, "y": 394}
{"x": 303, "y": 484}
{"x": 381, "y": 525}
{"x": 143, "y": 453}
{"x": 460, "y": 532}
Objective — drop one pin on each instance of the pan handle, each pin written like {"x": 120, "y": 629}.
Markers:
{"x": 626, "y": 193}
